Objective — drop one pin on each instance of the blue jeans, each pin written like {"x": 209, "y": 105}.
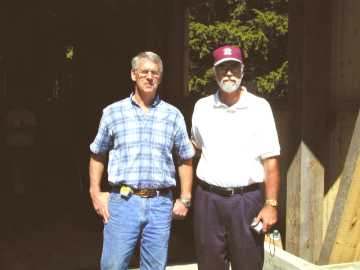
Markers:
{"x": 133, "y": 218}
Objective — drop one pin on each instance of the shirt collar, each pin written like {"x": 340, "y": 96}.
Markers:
{"x": 155, "y": 102}
{"x": 241, "y": 104}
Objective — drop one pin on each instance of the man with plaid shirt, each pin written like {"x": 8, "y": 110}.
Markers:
{"x": 139, "y": 134}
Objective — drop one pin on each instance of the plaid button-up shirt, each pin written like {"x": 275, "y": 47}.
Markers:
{"x": 140, "y": 144}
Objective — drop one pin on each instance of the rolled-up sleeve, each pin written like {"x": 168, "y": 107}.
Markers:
{"x": 103, "y": 140}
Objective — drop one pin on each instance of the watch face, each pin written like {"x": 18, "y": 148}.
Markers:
{"x": 273, "y": 204}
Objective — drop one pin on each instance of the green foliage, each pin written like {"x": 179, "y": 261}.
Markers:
{"x": 259, "y": 27}
{"x": 275, "y": 82}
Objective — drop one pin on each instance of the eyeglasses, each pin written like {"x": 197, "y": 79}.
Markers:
{"x": 144, "y": 73}
{"x": 234, "y": 67}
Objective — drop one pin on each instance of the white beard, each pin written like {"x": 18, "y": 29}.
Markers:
{"x": 230, "y": 86}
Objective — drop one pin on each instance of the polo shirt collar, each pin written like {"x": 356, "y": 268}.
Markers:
{"x": 155, "y": 102}
{"x": 241, "y": 104}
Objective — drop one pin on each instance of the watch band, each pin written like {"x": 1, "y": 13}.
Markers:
{"x": 272, "y": 202}
{"x": 186, "y": 202}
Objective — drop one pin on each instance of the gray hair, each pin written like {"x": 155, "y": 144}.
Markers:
{"x": 153, "y": 57}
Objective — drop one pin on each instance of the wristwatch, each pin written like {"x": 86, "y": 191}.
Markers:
{"x": 185, "y": 201}
{"x": 272, "y": 202}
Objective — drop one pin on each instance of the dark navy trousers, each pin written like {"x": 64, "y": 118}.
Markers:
{"x": 222, "y": 230}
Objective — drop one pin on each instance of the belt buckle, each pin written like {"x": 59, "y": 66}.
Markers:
{"x": 144, "y": 193}
{"x": 148, "y": 193}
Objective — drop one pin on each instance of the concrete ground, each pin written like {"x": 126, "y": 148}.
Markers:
{"x": 191, "y": 266}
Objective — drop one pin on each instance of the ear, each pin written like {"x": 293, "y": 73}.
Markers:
{"x": 242, "y": 70}
{"x": 160, "y": 78}
{"x": 133, "y": 75}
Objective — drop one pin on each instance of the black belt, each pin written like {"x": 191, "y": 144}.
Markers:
{"x": 227, "y": 191}
{"x": 143, "y": 192}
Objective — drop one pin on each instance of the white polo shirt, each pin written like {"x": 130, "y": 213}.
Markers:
{"x": 233, "y": 139}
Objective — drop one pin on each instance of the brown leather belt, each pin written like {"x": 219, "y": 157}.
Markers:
{"x": 225, "y": 191}
{"x": 143, "y": 192}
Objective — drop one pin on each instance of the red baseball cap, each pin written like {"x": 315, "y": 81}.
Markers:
{"x": 227, "y": 53}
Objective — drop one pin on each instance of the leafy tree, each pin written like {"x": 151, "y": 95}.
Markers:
{"x": 259, "y": 27}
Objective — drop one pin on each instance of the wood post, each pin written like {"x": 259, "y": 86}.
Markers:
{"x": 176, "y": 52}
{"x": 309, "y": 73}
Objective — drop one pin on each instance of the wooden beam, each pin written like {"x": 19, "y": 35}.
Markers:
{"x": 345, "y": 96}
{"x": 304, "y": 204}
{"x": 346, "y": 106}
{"x": 342, "y": 239}
{"x": 309, "y": 76}
{"x": 175, "y": 52}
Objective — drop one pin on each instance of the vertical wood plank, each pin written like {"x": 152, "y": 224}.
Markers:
{"x": 309, "y": 83}
{"x": 296, "y": 52}
{"x": 345, "y": 94}
{"x": 355, "y": 52}
{"x": 175, "y": 52}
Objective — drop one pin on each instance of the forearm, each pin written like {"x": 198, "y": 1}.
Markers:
{"x": 96, "y": 170}
{"x": 186, "y": 178}
{"x": 272, "y": 178}
{"x": 268, "y": 213}
{"x": 99, "y": 199}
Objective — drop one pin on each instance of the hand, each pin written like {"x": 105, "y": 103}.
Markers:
{"x": 100, "y": 202}
{"x": 268, "y": 216}
{"x": 179, "y": 210}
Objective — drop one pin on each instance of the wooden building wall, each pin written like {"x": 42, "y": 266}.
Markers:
{"x": 324, "y": 101}
{"x": 345, "y": 104}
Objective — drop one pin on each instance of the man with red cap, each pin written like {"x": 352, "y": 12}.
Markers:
{"x": 238, "y": 172}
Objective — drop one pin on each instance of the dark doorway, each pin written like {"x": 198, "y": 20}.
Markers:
{"x": 68, "y": 60}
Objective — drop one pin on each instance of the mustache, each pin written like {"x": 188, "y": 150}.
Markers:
{"x": 234, "y": 80}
